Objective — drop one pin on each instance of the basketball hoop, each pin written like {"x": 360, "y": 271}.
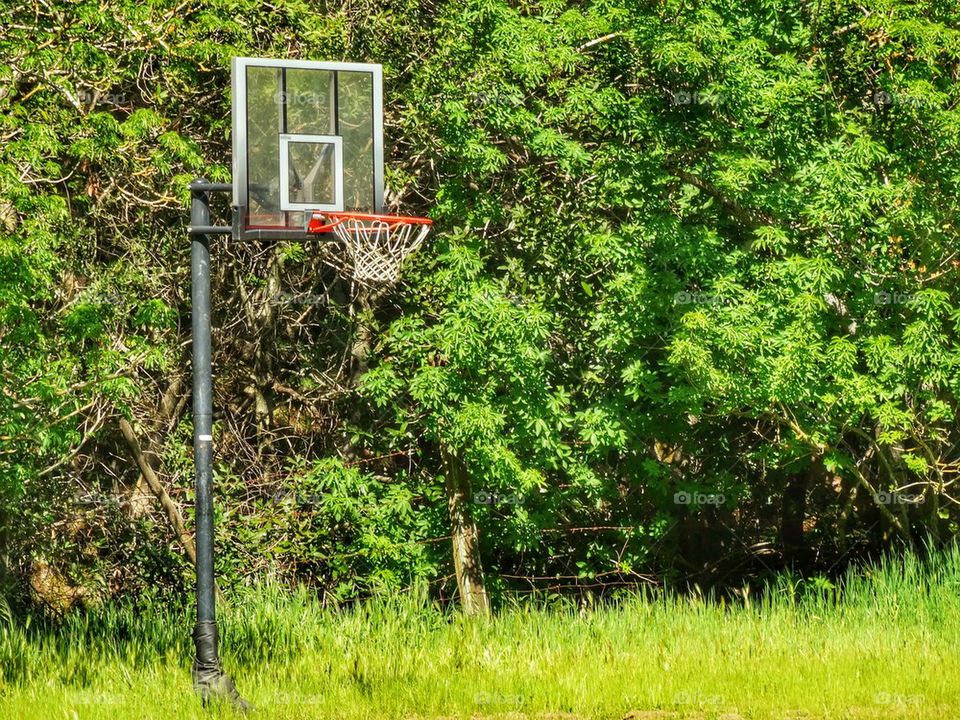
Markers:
{"x": 374, "y": 245}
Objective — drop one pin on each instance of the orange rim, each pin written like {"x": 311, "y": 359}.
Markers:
{"x": 327, "y": 221}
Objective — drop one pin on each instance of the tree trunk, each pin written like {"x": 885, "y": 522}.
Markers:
{"x": 794, "y": 511}
{"x": 466, "y": 539}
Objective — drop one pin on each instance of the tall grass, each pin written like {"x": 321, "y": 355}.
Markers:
{"x": 884, "y": 642}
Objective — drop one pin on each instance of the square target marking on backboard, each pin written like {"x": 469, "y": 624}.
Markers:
{"x": 321, "y": 157}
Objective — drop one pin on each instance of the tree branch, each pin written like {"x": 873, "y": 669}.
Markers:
{"x": 169, "y": 506}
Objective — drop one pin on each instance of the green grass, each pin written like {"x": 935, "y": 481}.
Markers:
{"x": 888, "y": 646}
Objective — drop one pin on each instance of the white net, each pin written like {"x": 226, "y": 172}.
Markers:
{"x": 374, "y": 249}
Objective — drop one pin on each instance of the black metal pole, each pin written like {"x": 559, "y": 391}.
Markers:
{"x": 202, "y": 410}
{"x": 208, "y": 676}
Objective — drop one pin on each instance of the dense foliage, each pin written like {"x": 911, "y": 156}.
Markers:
{"x": 691, "y": 307}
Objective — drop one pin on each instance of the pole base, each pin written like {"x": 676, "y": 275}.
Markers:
{"x": 209, "y": 679}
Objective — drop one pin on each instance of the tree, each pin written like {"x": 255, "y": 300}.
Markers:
{"x": 681, "y": 252}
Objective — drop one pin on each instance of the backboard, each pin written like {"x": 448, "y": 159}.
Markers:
{"x": 306, "y": 136}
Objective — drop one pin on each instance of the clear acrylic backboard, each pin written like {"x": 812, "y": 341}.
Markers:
{"x": 307, "y": 136}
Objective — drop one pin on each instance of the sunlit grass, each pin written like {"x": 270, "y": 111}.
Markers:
{"x": 887, "y": 646}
